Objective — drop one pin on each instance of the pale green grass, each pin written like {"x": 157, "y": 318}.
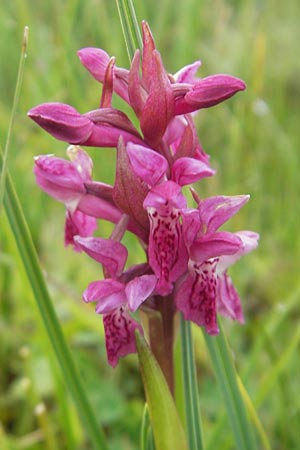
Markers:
{"x": 254, "y": 142}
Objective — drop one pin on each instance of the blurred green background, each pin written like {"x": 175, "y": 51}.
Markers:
{"x": 253, "y": 140}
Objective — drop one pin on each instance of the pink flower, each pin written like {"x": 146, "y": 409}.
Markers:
{"x": 117, "y": 295}
{"x": 206, "y": 289}
{"x": 65, "y": 181}
{"x": 186, "y": 253}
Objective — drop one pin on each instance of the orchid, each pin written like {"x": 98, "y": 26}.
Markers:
{"x": 186, "y": 255}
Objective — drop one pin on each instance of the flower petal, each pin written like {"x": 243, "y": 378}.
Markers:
{"x": 82, "y": 161}
{"x": 189, "y": 170}
{"x": 119, "y": 335}
{"x": 139, "y": 289}
{"x": 149, "y": 165}
{"x": 59, "y": 178}
{"x": 164, "y": 196}
{"x": 95, "y": 60}
{"x": 228, "y": 300}
{"x": 167, "y": 252}
{"x": 215, "y": 244}
{"x": 78, "y": 224}
{"x": 249, "y": 241}
{"x": 215, "y": 211}
{"x": 62, "y": 121}
{"x": 196, "y": 296}
{"x": 187, "y": 73}
{"x": 109, "y": 295}
{"x": 111, "y": 254}
{"x": 212, "y": 90}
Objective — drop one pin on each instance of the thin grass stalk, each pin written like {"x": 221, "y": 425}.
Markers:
{"x": 130, "y": 28}
{"x": 33, "y": 270}
{"x": 227, "y": 378}
{"x": 13, "y": 112}
{"x": 191, "y": 395}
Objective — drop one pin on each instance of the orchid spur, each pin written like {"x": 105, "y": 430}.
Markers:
{"x": 186, "y": 255}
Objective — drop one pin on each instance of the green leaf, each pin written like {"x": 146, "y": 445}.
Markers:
{"x": 147, "y": 442}
{"x": 167, "y": 428}
{"x": 228, "y": 381}
{"x": 190, "y": 384}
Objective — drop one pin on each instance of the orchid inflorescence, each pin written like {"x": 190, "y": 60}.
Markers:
{"x": 187, "y": 256}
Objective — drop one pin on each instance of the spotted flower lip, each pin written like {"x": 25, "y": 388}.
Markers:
{"x": 206, "y": 288}
{"x": 114, "y": 297}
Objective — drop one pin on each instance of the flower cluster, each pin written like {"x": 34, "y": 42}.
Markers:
{"x": 187, "y": 256}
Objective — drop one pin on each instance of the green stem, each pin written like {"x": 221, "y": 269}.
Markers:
{"x": 192, "y": 409}
{"x": 33, "y": 270}
{"x": 161, "y": 336}
{"x": 227, "y": 378}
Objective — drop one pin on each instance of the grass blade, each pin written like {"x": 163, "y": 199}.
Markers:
{"x": 227, "y": 378}
{"x": 130, "y": 28}
{"x": 33, "y": 270}
{"x": 31, "y": 264}
{"x": 192, "y": 409}
{"x": 13, "y": 112}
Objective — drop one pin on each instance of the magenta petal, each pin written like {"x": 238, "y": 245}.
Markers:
{"x": 228, "y": 301}
{"x": 99, "y": 208}
{"x": 62, "y": 121}
{"x": 187, "y": 73}
{"x": 215, "y": 211}
{"x": 149, "y": 165}
{"x": 59, "y": 178}
{"x": 95, "y": 61}
{"x": 212, "y": 90}
{"x": 139, "y": 289}
{"x": 196, "y": 296}
{"x": 102, "y": 209}
{"x": 164, "y": 196}
{"x": 109, "y": 295}
{"x": 78, "y": 224}
{"x": 190, "y": 225}
{"x": 111, "y": 254}
{"x": 119, "y": 335}
{"x": 249, "y": 240}
{"x": 82, "y": 161}
{"x": 190, "y": 170}
{"x": 215, "y": 244}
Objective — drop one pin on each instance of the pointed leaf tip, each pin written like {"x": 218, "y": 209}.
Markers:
{"x": 167, "y": 428}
